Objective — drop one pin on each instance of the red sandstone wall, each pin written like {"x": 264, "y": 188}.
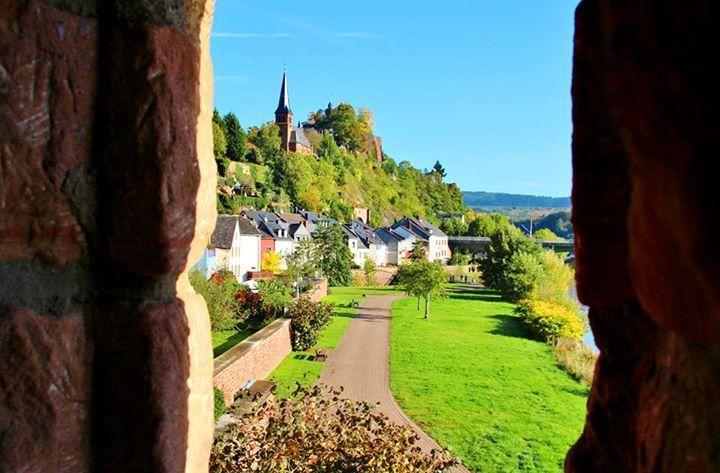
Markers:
{"x": 252, "y": 359}
{"x": 318, "y": 290}
{"x": 645, "y": 213}
{"x": 99, "y": 178}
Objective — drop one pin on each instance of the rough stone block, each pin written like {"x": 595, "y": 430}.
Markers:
{"x": 45, "y": 395}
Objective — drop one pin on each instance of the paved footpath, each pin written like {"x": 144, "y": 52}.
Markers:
{"x": 360, "y": 363}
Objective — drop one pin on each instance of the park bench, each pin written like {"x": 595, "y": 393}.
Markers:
{"x": 254, "y": 395}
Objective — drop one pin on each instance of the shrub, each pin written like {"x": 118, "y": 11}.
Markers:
{"x": 219, "y": 294}
{"x": 550, "y": 320}
{"x": 275, "y": 297}
{"x": 554, "y": 281}
{"x": 576, "y": 358}
{"x": 250, "y": 307}
{"x": 317, "y": 431}
{"x": 307, "y": 318}
{"x": 219, "y": 400}
{"x": 524, "y": 270}
{"x": 370, "y": 270}
{"x": 357, "y": 280}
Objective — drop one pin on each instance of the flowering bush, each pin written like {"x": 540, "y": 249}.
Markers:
{"x": 550, "y": 320}
{"x": 218, "y": 292}
{"x": 250, "y": 307}
{"x": 316, "y": 431}
{"x": 307, "y": 318}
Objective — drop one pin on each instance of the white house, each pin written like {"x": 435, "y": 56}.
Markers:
{"x": 360, "y": 252}
{"x": 399, "y": 244}
{"x": 237, "y": 245}
{"x": 436, "y": 241}
{"x": 377, "y": 248}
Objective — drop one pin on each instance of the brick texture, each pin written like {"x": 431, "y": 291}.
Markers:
{"x": 252, "y": 359}
{"x": 318, "y": 290}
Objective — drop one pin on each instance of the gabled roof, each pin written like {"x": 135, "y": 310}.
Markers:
{"x": 430, "y": 228}
{"x": 421, "y": 228}
{"x": 403, "y": 233}
{"x": 366, "y": 233}
{"x": 224, "y": 229}
{"x": 275, "y": 227}
{"x": 350, "y": 234}
{"x": 298, "y": 228}
{"x": 298, "y": 136}
{"x": 292, "y": 218}
{"x": 257, "y": 216}
{"x": 387, "y": 235}
{"x": 247, "y": 227}
{"x": 308, "y": 215}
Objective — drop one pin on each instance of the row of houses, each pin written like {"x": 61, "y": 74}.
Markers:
{"x": 240, "y": 241}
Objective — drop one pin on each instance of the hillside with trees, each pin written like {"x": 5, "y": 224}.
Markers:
{"x": 497, "y": 199}
{"x": 344, "y": 172}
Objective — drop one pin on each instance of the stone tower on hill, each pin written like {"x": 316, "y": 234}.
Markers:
{"x": 291, "y": 139}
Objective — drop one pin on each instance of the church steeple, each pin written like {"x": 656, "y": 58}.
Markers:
{"x": 283, "y": 115}
{"x": 284, "y": 102}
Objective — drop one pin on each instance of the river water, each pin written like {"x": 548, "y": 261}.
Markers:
{"x": 588, "y": 338}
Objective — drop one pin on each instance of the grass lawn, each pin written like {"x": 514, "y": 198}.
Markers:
{"x": 301, "y": 366}
{"x": 472, "y": 378}
{"x": 223, "y": 340}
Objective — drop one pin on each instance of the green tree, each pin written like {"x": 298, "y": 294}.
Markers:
{"x": 217, "y": 118}
{"x": 545, "y": 234}
{"x": 334, "y": 259}
{"x": 266, "y": 141}
{"x": 348, "y": 128}
{"x": 506, "y": 241}
{"x": 235, "y": 136}
{"x": 370, "y": 271}
{"x": 418, "y": 251}
{"x": 486, "y": 225}
{"x": 301, "y": 263}
{"x": 454, "y": 226}
{"x": 219, "y": 149}
{"x": 439, "y": 171}
{"x": 523, "y": 272}
{"x": 423, "y": 279}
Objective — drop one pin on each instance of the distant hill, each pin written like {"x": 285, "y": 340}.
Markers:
{"x": 498, "y": 199}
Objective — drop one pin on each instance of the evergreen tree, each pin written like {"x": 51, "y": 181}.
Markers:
{"x": 235, "y": 136}
{"x": 217, "y": 119}
{"x": 438, "y": 171}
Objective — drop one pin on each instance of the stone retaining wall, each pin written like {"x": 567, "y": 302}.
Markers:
{"x": 252, "y": 359}
{"x": 384, "y": 275}
{"x": 318, "y": 290}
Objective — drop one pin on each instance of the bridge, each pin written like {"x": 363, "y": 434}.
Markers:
{"x": 480, "y": 244}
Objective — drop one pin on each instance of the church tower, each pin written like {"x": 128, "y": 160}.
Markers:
{"x": 283, "y": 115}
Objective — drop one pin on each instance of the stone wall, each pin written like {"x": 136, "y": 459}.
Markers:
{"x": 318, "y": 290}
{"x": 106, "y": 184}
{"x": 384, "y": 275}
{"x": 252, "y": 359}
{"x": 645, "y": 212}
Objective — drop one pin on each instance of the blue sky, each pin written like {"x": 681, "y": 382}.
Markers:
{"x": 482, "y": 86}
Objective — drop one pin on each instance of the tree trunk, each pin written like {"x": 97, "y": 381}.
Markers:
{"x": 418, "y": 303}
{"x": 427, "y": 307}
